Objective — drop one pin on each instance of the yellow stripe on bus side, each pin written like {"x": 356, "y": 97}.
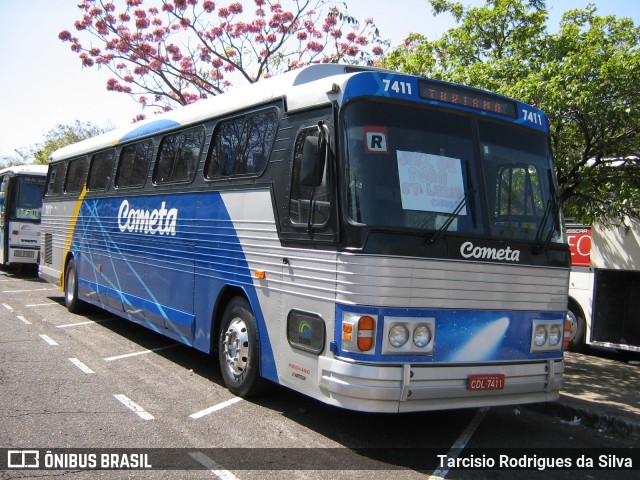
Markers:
{"x": 72, "y": 227}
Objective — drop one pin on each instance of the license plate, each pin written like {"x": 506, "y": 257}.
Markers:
{"x": 486, "y": 382}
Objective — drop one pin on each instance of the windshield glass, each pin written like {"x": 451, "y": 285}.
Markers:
{"x": 519, "y": 183}
{"x": 413, "y": 167}
{"x": 28, "y": 204}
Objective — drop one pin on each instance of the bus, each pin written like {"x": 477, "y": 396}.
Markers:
{"x": 21, "y": 192}
{"x": 378, "y": 241}
{"x": 604, "y": 290}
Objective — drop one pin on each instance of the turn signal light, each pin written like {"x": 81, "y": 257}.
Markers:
{"x": 366, "y": 325}
{"x": 567, "y": 334}
{"x": 359, "y": 333}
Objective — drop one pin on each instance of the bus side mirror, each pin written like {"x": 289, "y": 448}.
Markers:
{"x": 314, "y": 153}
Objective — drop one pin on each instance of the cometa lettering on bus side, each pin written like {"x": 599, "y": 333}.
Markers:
{"x": 161, "y": 221}
{"x": 469, "y": 250}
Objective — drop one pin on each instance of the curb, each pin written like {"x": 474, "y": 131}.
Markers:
{"x": 589, "y": 417}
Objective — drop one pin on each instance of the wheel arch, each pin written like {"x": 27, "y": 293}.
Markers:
{"x": 226, "y": 295}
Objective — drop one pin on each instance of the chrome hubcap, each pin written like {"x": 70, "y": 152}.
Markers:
{"x": 573, "y": 325}
{"x": 236, "y": 347}
{"x": 71, "y": 283}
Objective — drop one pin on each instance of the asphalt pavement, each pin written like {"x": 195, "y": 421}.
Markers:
{"x": 602, "y": 392}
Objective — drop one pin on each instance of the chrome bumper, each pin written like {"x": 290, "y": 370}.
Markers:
{"x": 409, "y": 388}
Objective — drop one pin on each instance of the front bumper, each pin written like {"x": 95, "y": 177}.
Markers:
{"x": 412, "y": 387}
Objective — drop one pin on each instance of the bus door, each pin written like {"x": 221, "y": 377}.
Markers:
{"x": 308, "y": 306}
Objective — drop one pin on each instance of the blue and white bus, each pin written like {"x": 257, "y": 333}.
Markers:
{"x": 21, "y": 191}
{"x": 378, "y": 241}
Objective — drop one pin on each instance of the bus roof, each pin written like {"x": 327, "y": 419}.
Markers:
{"x": 306, "y": 87}
{"x": 26, "y": 169}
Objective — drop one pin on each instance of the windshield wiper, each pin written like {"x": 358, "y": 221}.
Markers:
{"x": 451, "y": 217}
{"x": 552, "y": 210}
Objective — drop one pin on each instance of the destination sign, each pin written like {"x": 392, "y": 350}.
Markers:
{"x": 467, "y": 98}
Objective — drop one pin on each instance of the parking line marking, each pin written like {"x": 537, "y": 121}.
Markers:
{"x": 74, "y": 324}
{"x": 212, "y": 466}
{"x": 88, "y": 322}
{"x": 135, "y": 354}
{"x": 131, "y": 405}
{"x": 49, "y": 340}
{"x": 41, "y": 304}
{"x": 215, "y": 408}
{"x": 23, "y": 320}
{"x": 81, "y": 365}
{"x": 460, "y": 443}
{"x": 29, "y": 290}
{"x": 8, "y": 307}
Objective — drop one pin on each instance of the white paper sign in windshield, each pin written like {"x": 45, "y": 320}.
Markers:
{"x": 430, "y": 183}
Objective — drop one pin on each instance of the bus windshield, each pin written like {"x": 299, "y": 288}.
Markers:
{"x": 419, "y": 168}
{"x": 28, "y": 198}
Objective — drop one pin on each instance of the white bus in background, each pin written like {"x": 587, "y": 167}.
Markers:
{"x": 604, "y": 291}
{"x": 21, "y": 191}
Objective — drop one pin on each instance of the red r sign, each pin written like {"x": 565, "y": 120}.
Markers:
{"x": 375, "y": 140}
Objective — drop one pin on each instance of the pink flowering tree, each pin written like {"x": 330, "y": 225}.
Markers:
{"x": 174, "y": 52}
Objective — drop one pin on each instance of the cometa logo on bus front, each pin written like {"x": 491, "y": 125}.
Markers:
{"x": 161, "y": 221}
{"x": 469, "y": 250}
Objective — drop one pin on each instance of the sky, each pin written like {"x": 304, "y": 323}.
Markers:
{"x": 42, "y": 83}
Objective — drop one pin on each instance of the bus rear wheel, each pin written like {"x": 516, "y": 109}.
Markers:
{"x": 71, "y": 300}
{"x": 239, "y": 349}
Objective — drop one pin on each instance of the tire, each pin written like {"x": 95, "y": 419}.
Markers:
{"x": 239, "y": 349}
{"x": 71, "y": 300}
{"x": 577, "y": 331}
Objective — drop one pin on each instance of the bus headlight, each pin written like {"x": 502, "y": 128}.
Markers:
{"x": 546, "y": 335}
{"x": 408, "y": 335}
{"x": 398, "y": 335}
{"x": 421, "y": 336}
{"x": 540, "y": 337}
{"x": 555, "y": 335}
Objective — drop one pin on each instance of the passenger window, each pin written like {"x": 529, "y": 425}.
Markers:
{"x": 259, "y": 133}
{"x": 226, "y": 143}
{"x": 134, "y": 164}
{"x": 101, "y": 170}
{"x": 76, "y": 175}
{"x": 242, "y": 146}
{"x": 302, "y": 196}
{"x": 56, "y": 179}
{"x": 179, "y": 156}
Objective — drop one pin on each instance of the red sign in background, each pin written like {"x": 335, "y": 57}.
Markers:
{"x": 579, "y": 239}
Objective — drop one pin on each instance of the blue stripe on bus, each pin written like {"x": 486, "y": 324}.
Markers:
{"x": 165, "y": 275}
{"x": 148, "y": 129}
{"x": 461, "y": 336}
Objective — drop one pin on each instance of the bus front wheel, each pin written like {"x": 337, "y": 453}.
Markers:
{"x": 576, "y": 331}
{"x": 71, "y": 300}
{"x": 239, "y": 349}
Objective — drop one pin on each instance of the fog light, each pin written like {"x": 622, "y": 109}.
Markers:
{"x": 421, "y": 336}
{"x": 398, "y": 335}
{"x": 540, "y": 337}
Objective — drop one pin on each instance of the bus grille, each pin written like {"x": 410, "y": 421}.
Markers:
{"x": 48, "y": 248}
